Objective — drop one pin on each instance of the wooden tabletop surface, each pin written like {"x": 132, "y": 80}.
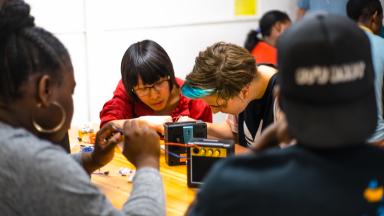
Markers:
{"x": 117, "y": 187}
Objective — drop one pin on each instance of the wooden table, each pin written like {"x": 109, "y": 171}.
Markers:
{"x": 117, "y": 188}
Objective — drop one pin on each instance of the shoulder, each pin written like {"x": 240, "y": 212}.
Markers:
{"x": 21, "y": 144}
{"x": 377, "y": 45}
{"x": 377, "y": 41}
{"x": 246, "y": 174}
{"x": 179, "y": 81}
{"x": 120, "y": 89}
{"x": 45, "y": 158}
{"x": 371, "y": 36}
{"x": 274, "y": 79}
{"x": 269, "y": 71}
{"x": 303, "y": 4}
{"x": 263, "y": 47}
{"x": 34, "y": 166}
{"x": 40, "y": 161}
{"x": 32, "y": 152}
{"x": 120, "y": 86}
{"x": 121, "y": 93}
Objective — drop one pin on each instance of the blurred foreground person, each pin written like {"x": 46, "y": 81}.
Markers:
{"x": 37, "y": 177}
{"x": 328, "y": 98}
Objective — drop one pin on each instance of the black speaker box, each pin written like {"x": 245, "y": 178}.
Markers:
{"x": 202, "y": 154}
{"x": 178, "y": 133}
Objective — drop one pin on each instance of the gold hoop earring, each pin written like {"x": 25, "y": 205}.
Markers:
{"x": 55, "y": 129}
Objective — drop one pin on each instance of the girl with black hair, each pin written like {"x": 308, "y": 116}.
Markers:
{"x": 272, "y": 24}
{"x": 149, "y": 88}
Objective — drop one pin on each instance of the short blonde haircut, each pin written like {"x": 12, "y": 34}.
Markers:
{"x": 224, "y": 67}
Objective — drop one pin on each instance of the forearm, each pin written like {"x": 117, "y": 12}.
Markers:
{"x": 220, "y": 130}
{"x": 147, "y": 196}
{"x": 85, "y": 160}
{"x": 154, "y": 122}
{"x": 88, "y": 163}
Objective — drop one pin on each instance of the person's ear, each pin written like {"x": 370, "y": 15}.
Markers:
{"x": 375, "y": 22}
{"x": 278, "y": 26}
{"x": 44, "y": 90}
{"x": 244, "y": 92}
{"x": 375, "y": 15}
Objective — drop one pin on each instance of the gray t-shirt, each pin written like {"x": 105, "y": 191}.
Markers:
{"x": 39, "y": 178}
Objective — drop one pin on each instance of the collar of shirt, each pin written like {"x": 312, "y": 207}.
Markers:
{"x": 365, "y": 28}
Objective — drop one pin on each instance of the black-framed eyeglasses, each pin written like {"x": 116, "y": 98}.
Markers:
{"x": 218, "y": 105}
{"x": 144, "y": 91}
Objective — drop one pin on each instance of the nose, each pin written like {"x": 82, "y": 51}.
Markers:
{"x": 153, "y": 93}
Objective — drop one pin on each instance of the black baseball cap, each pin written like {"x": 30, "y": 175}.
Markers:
{"x": 327, "y": 82}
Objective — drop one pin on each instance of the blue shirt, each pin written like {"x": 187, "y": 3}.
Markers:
{"x": 377, "y": 49}
{"x": 330, "y": 6}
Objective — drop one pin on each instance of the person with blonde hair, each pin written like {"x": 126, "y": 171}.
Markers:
{"x": 226, "y": 77}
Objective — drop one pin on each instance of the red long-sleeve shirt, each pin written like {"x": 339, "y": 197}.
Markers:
{"x": 265, "y": 53}
{"x": 121, "y": 107}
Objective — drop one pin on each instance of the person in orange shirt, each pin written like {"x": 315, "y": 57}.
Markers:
{"x": 272, "y": 24}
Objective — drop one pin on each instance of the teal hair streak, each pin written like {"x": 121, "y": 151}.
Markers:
{"x": 194, "y": 92}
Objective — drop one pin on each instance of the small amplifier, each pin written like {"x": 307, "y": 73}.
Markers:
{"x": 202, "y": 154}
{"x": 178, "y": 133}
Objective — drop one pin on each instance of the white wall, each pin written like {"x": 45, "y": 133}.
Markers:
{"x": 97, "y": 33}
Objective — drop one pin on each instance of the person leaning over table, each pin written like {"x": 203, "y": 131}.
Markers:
{"x": 369, "y": 15}
{"x": 332, "y": 170}
{"x": 149, "y": 88}
{"x": 38, "y": 177}
{"x": 226, "y": 77}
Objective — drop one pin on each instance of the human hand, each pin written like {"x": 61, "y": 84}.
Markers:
{"x": 276, "y": 134}
{"x": 379, "y": 144}
{"x": 155, "y": 122}
{"x": 141, "y": 144}
{"x": 185, "y": 119}
{"x": 106, "y": 139}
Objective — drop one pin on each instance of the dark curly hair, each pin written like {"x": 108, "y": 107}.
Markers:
{"x": 26, "y": 50}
